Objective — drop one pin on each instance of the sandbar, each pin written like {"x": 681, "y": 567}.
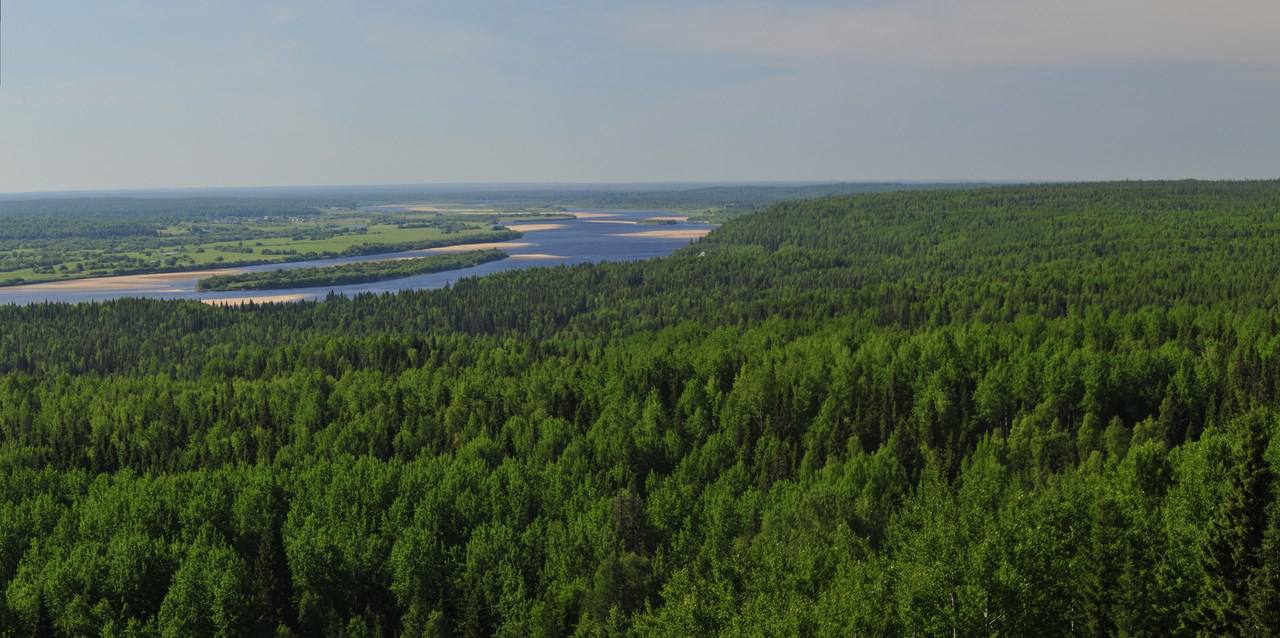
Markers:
{"x": 121, "y": 282}
{"x": 612, "y": 221}
{"x": 669, "y": 234}
{"x": 240, "y": 301}
{"x": 668, "y": 218}
{"x": 586, "y": 215}
{"x": 462, "y": 248}
{"x": 531, "y": 228}
{"x": 537, "y": 256}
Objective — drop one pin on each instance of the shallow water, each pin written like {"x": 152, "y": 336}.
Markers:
{"x": 579, "y": 241}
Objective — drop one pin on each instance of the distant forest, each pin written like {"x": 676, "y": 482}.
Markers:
{"x": 61, "y": 218}
{"x": 1015, "y": 411}
{"x": 716, "y": 199}
{"x": 168, "y": 206}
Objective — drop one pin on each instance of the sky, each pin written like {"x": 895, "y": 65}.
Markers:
{"x": 179, "y": 93}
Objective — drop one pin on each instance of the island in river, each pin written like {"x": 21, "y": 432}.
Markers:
{"x": 576, "y": 239}
{"x": 353, "y": 273}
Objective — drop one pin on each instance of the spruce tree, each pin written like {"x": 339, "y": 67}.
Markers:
{"x": 1232, "y": 550}
{"x": 1264, "y": 585}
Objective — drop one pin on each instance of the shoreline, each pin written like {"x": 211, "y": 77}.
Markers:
{"x": 533, "y": 228}
{"x": 697, "y": 233}
{"x": 462, "y": 248}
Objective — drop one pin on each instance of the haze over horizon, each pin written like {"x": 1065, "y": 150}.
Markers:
{"x": 145, "y": 94}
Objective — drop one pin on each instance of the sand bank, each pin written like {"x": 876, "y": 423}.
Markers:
{"x": 668, "y": 218}
{"x": 462, "y": 248}
{"x": 669, "y": 234}
{"x": 536, "y": 256}
{"x": 612, "y": 221}
{"x": 586, "y": 215}
{"x": 533, "y": 228}
{"x": 160, "y": 280}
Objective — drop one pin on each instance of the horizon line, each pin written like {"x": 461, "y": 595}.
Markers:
{"x": 514, "y": 185}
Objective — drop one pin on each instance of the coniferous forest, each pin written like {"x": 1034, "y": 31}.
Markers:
{"x": 1013, "y": 411}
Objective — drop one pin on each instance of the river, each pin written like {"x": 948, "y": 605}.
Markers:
{"x": 598, "y": 236}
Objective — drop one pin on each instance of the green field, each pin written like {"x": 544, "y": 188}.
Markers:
{"x": 78, "y": 248}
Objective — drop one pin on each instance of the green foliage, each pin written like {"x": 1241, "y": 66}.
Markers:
{"x": 1044, "y": 410}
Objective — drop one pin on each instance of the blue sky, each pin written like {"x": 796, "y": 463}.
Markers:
{"x": 149, "y": 93}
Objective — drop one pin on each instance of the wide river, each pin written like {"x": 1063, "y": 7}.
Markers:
{"x": 595, "y": 237}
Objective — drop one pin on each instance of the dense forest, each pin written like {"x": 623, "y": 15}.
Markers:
{"x": 1030, "y": 410}
{"x": 352, "y": 273}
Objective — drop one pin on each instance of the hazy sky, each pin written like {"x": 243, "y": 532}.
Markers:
{"x": 153, "y": 93}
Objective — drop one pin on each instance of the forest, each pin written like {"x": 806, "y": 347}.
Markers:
{"x": 352, "y": 273}
{"x": 1045, "y": 410}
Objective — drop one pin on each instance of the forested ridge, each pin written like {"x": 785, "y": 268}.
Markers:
{"x": 1032, "y": 410}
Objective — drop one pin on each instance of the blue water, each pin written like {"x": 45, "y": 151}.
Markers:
{"x": 579, "y": 241}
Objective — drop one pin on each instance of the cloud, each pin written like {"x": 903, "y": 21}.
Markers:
{"x": 978, "y": 32}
